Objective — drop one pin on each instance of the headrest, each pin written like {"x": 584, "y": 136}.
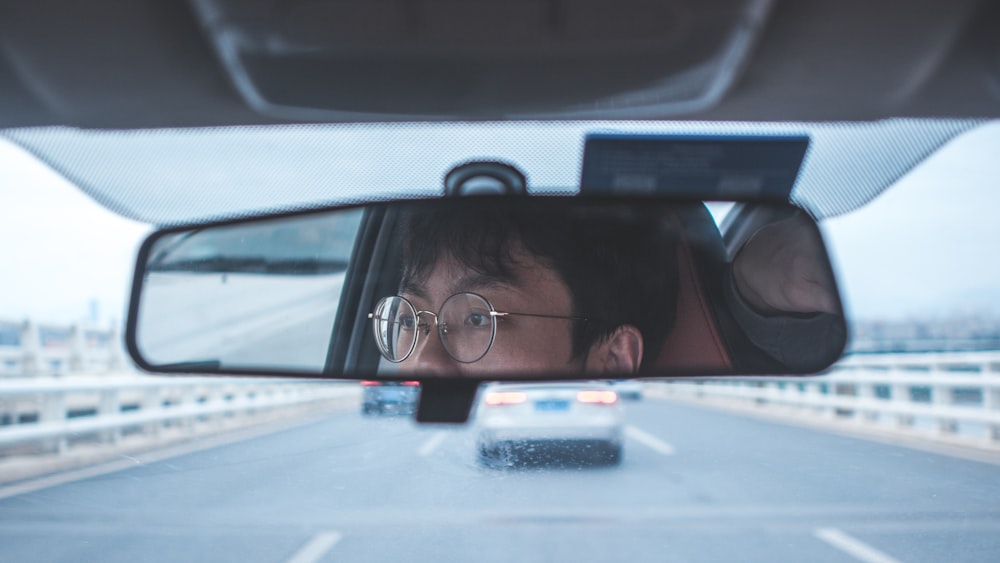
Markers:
{"x": 696, "y": 341}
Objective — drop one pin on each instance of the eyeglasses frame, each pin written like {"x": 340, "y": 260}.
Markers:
{"x": 443, "y": 328}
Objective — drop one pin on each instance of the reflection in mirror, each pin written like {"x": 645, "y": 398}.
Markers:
{"x": 260, "y": 295}
{"x": 490, "y": 288}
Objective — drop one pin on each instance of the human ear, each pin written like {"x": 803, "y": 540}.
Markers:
{"x": 620, "y": 353}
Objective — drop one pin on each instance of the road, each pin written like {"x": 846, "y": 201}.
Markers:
{"x": 694, "y": 485}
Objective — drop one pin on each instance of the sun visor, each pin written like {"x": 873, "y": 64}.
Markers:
{"x": 349, "y": 59}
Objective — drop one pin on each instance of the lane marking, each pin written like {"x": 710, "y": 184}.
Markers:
{"x": 316, "y": 548}
{"x": 432, "y": 444}
{"x": 856, "y": 548}
{"x": 649, "y": 440}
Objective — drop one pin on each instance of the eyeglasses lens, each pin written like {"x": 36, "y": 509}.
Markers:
{"x": 466, "y": 327}
{"x": 395, "y": 328}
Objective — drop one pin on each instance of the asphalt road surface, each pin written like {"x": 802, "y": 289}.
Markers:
{"x": 694, "y": 485}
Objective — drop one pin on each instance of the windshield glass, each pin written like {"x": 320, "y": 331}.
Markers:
{"x": 182, "y": 175}
{"x": 891, "y": 456}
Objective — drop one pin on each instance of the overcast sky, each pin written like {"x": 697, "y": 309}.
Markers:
{"x": 928, "y": 247}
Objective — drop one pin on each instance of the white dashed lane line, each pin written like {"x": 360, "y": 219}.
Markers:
{"x": 317, "y": 547}
{"x": 432, "y": 444}
{"x": 648, "y": 440}
{"x": 853, "y": 547}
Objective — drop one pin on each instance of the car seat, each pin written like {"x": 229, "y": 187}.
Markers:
{"x": 705, "y": 337}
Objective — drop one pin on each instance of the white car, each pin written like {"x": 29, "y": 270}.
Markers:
{"x": 518, "y": 421}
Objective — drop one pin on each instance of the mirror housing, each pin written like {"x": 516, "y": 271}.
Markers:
{"x": 591, "y": 287}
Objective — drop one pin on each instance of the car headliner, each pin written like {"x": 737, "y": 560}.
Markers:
{"x": 118, "y": 64}
{"x": 830, "y": 68}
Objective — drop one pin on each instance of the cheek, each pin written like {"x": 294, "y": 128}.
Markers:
{"x": 529, "y": 348}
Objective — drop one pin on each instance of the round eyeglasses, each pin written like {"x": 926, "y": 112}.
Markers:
{"x": 466, "y": 325}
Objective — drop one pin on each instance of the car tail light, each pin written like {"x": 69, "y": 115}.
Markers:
{"x": 497, "y": 398}
{"x": 411, "y": 383}
{"x": 597, "y": 397}
{"x": 370, "y": 383}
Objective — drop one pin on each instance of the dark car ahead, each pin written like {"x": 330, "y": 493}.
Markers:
{"x": 389, "y": 397}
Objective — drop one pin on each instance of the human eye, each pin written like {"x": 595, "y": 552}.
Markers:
{"x": 477, "y": 319}
{"x": 407, "y": 322}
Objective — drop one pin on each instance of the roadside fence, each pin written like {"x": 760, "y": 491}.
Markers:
{"x": 951, "y": 396}
{"x": 50, "y": 415}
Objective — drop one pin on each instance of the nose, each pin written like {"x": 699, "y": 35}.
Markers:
{"x": 429, "y": 356}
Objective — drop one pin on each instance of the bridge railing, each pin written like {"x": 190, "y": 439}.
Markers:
{"x": 51, "y": 414}
{"x": 62, "y": 386}
{"x": 951, "y": 396}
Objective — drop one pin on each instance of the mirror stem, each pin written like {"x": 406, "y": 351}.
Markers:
{"x": 446, "y": 401}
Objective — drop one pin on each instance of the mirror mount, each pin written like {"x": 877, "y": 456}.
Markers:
{"x": 448, "y": 402}
{"x": 485, "y": 177}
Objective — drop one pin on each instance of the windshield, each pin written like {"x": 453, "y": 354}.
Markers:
{"x": 890, "y": 456}
{"x": 160, "y": 176}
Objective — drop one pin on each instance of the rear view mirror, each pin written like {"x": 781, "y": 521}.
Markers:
{"x": 491, "y": 288}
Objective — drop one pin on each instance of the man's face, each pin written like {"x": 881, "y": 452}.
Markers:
{"x": 522, "y": 344}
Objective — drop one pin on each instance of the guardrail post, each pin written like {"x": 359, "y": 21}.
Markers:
{"x": 941, "y": 398}
{"x": 823, "y": 408}
{"x": 152, "y": 402}
{"x": 251, "y": 393}
{"x": 799, "y": 394}
{"x": 53, "y": 411}
{"x": 786, "y": 395}
{"x": 899, "y": 394}
{"x": 991, "y": 404}
{"x": 186, "y": 399}
{"x": 214, "y": 395}
{"x": 770, "y": 395}
{"x": 110, "y": 405}
{"x": 864, "y": 394}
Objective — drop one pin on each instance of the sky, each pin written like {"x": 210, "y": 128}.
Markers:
{"x": 926, "y": 248}
{"x": 59, "y": 249}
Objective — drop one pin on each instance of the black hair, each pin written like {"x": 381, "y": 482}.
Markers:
{"x": 618, "y": 260}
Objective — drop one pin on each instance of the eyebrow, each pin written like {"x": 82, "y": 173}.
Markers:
{"x": 414, "y": 288}
{"x": 474, "y": 281}
{"x": 465, "y": 284}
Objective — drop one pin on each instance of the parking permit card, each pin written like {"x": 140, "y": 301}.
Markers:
{"x": 710, "y": 167}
